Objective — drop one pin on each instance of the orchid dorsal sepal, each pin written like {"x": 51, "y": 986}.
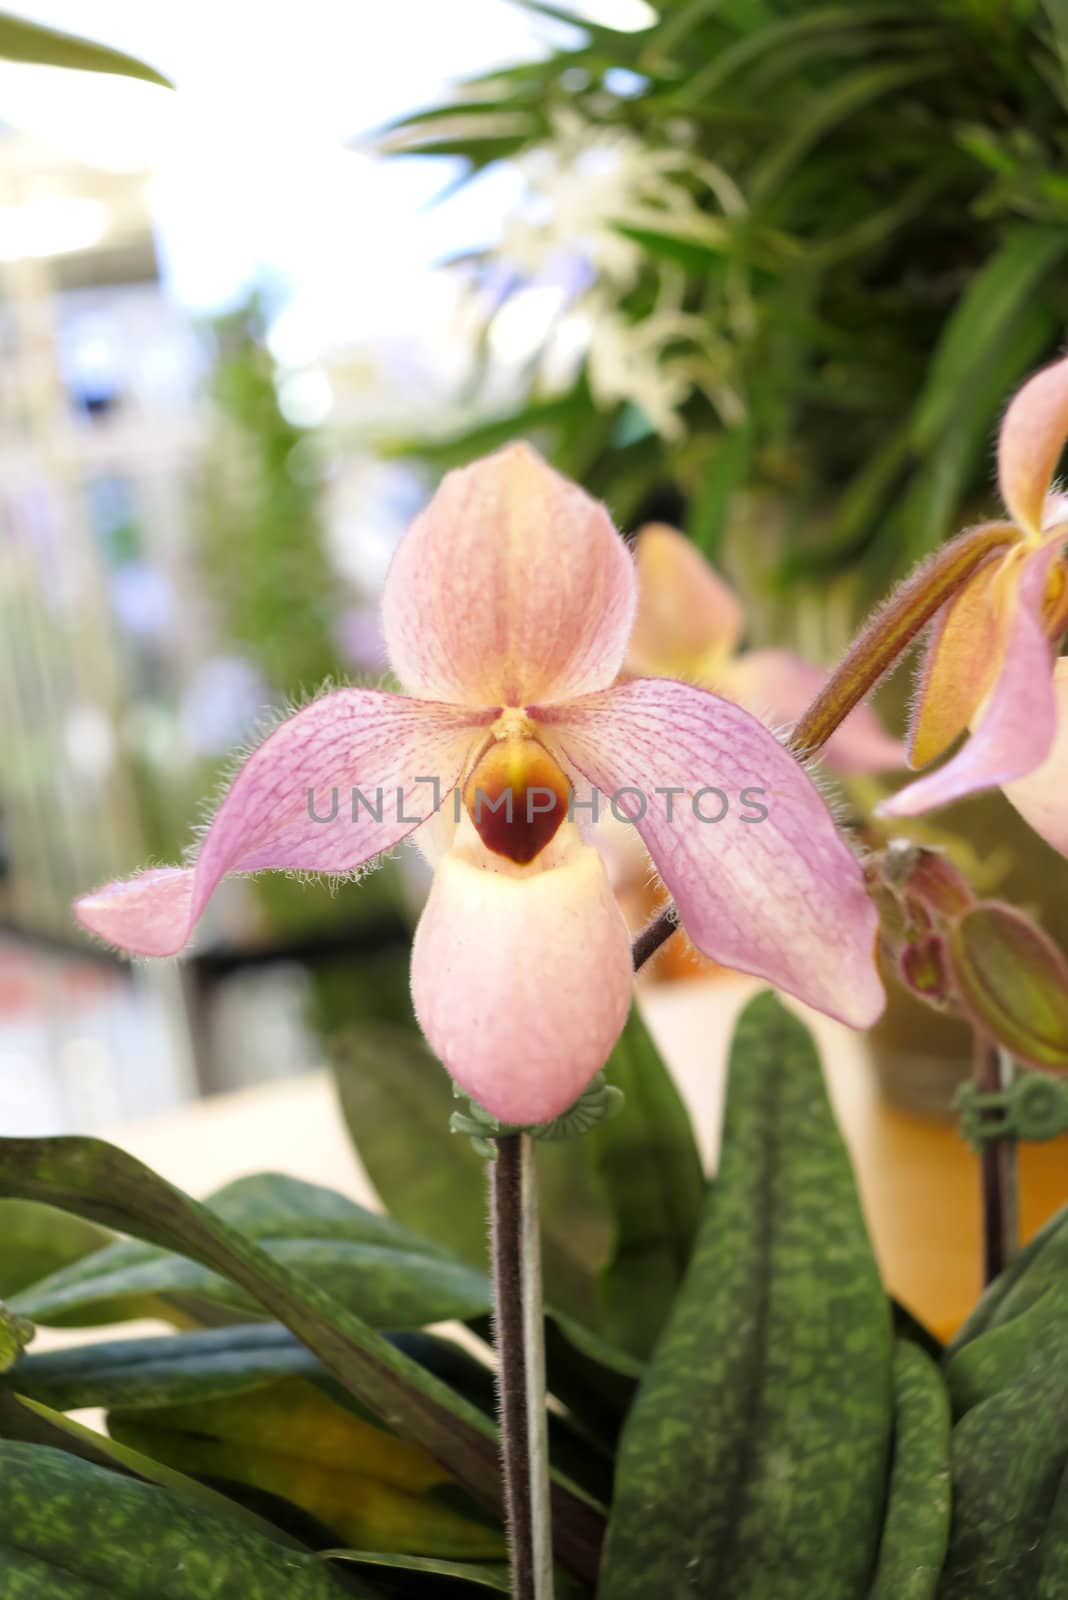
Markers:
{"x": 599, "y": 1102}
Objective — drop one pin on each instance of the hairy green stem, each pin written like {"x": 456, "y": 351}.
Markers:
{"x": 520, "y": 1342}
{"x": 878, "y": 646}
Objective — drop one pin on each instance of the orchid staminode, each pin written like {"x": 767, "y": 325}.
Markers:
{"x": 506, "y": 613}
{"x": 689, "y": 625}
{"x": 991, "y": 666}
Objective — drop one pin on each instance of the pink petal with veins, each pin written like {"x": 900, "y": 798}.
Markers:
{"x": 1013, "y": 732}
{"x": 511, "y": 586}
{"x": 1032, "y": 437}
{"x": 382, "y": 744}
{"x": 782, "y": 897}
{"x": 1042, "y": 797}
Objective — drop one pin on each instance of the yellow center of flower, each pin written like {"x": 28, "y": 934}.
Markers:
{"x": 517, "y": 797}
{"x": 1055, "y": 602}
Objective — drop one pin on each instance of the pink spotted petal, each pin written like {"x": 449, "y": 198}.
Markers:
{"x": 782, "y": 897}
{"x": 1015, "y": 730}
{"x": 1042, "y": 797}
{"x": 777, "y": 686}
{"x": 1033, "y": 435}
{"x": 380, "y": 743}
{"x": 522, "y": 976}
{"x": 511, "y": 586}
{"x": 685, "y": 612}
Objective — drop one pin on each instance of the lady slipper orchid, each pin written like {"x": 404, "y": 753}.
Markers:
{"x": 991, "y": 664}
{"x": 689, "y": 625}
{"x": 506, "y": 613}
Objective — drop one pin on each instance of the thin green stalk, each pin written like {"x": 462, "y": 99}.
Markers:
{"x": 520, "y": 1343}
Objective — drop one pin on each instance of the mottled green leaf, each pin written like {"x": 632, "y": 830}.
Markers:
{"x": 754, "y": 1460}
{"x": 1041, "y": 1263}
{"x": 68, "y": 1528}
{"x": 104, "y": 1183}
{"x": 1007, "y": 1353}
{"x": 916, "y": 1529}
{"x": 1008, "y": 1457}
{"x": 29, "y": 1422}
{"x": 374, "y": 1266}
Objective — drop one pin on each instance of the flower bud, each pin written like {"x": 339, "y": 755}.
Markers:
{"x": 1013, "y": 983}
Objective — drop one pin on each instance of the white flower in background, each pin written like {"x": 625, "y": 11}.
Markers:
{"x": 576, "y": 267}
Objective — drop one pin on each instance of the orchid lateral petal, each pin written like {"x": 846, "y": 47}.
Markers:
{"x": 1014, "y": 732}
{"x": 1032, "y": 437}
{"x": 278, "y": 810}
{"x": 511, "y": 586}
{"x": 1042, "y": 797}
{"x": 776, "y": 686}
{"x": 959, "y": 663}
{"x": 522, "y": 976}
{"x": 780, "y": 895}
{"x": 686, "y": 613}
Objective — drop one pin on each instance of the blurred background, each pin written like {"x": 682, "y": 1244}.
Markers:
{"x": 765, "y": 270}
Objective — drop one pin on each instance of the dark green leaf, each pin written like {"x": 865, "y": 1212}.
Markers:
{"x": 477, "y": 1575}
{"x": 154, "y": 1371}
{"x": 29, "y": 1422}
{"x": 648, "y": 1168}
{"x": 916, "y": 1530}
{"x": 69, "y": 1528}
{"x": 373, "y": 1265}
{"x": 36, "y": 1241}
{"x": 397, "y": 1100}
{"x": 754, "y": 1459}
{"x": 109, "y": 1186}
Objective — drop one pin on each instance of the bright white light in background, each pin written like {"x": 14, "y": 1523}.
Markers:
{"x": 628, "y": 16}
{"x": 252, "y": 181}
{"x": 52, "y": 226}
{"x": 521, "y": 326}
{"x": 306, "y": 398}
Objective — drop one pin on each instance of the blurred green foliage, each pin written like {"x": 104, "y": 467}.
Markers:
{"x": 871, "y": 237}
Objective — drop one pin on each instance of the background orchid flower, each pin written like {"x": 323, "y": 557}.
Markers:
{"x": 506, "y": 614}
{"x": 689, "y": 625}
{"x": 991, "y": 664}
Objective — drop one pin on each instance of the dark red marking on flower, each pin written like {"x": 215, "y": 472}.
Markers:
{"x": 517, "y": 797}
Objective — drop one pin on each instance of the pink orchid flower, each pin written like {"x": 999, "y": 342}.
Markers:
{"x": 991, "y": 666}
{"x": 506, "y": 614}
{"x": 689, "y": 625}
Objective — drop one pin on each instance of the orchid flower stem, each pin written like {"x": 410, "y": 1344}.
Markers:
{"x": 880, "y": 643}
{"x": 994, "y": 1072}
{"x": 520, "y": 1341}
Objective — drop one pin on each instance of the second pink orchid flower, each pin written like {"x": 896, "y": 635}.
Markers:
{"x": 992, "y": 667}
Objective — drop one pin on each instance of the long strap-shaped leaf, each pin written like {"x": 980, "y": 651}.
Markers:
{"x": 754, "y": 1461}
{"x": 99, "y": 1181}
